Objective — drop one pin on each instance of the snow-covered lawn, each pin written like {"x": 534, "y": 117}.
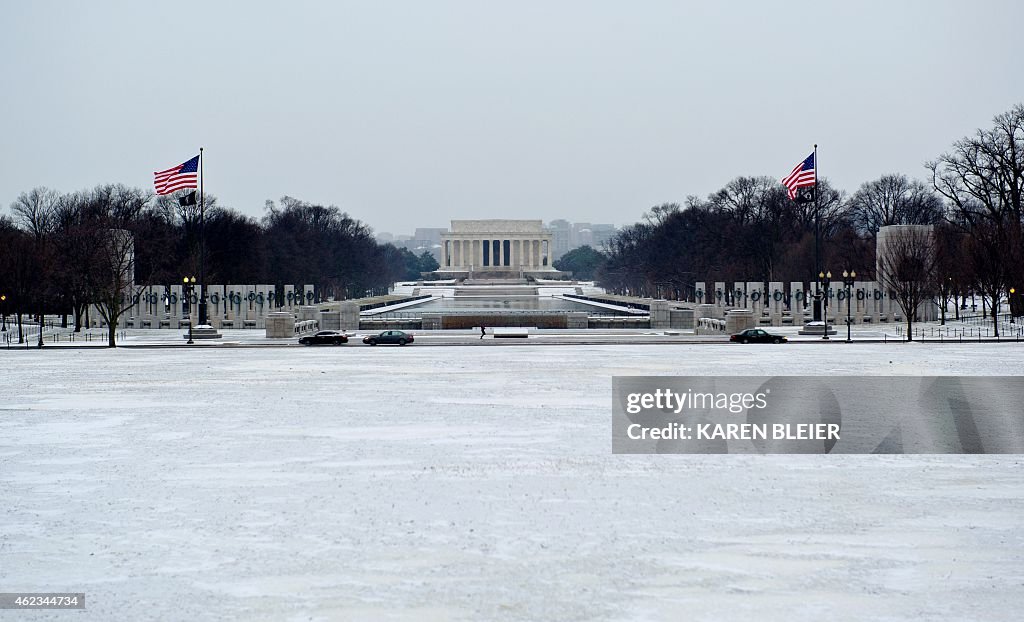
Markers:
{"x": 475, "y": 483}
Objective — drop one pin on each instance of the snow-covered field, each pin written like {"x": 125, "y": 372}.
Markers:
{"x": 475, "y": 483}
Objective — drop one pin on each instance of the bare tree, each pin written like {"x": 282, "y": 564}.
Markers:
{"x": 983, "y": 180}
{"x": 114, "y": 288}
{"x": 893, "y": 200}
{"x": 116, "y": 211}
{"x": 949, "y": 267}
{"x": 986, "y": 258}
{"x": 36, "y": 210}
{"x": 906, "y": 268}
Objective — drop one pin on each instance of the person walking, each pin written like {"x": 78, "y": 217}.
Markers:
{"x": 483, "y": 331}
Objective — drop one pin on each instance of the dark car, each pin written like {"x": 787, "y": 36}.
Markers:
{"x": 389, "y": 336}
{"x": 756, "y": 335}
{"x": 324, "y": 338}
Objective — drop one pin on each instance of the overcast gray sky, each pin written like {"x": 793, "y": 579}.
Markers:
{"x": 409, "y": 114}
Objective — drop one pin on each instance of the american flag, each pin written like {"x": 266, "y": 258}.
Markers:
{"x": 184, "y": 175}
{"x": 801, "y": 177}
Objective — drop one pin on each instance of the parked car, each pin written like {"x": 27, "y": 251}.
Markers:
{"x": 389, "y": 336}
{"x": 756, "y": 335}
{"x": 324, "y": 338}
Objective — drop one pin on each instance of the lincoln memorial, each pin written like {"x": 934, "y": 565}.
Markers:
{"x": 496, "y": 246}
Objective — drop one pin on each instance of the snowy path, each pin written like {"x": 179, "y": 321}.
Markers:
{"x": 475, "y": 483}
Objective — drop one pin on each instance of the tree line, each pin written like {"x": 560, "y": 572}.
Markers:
{"x": 61, "y": 252}
{"x": 751, "y": 230}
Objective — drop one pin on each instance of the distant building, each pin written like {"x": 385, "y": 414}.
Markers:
{"x": 601, "y": 235}
{"x": 579, "y": 235}
{"x": 560, "y": 231}
{"x": 429, "y": 234}
{"x": 497, "y": 249}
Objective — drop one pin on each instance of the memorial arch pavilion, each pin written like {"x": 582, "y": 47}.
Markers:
{"x": 512, "y": 247}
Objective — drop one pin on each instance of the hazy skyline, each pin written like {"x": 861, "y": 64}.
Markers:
{"x": 410, "y": 115}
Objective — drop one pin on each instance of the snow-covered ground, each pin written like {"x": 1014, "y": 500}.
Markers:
{"x": 475, "y": 483}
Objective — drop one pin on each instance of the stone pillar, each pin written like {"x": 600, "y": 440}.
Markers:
{"x": 213, "y": 309}
{"x": 796, "y": 304}
{"x": 859, "y": 306}
{"x": 349, "y": 319}
{"x": 230, "y": 311}
{"x": 243, "y": 308}
{"x": 330, "y": 320}
{"x": 700, "y": 286}
{"x": 775, "y": 306}
{"x": 718, "y": 295}
{"x": 148, "y": 319}
{"x": 659, "y": 314}
{"x": 280, "y": 325}
{"x": 176, "y": 312}
{"x": 757, "y": 306}
{"x": 738, "y": 320}
{"x": 705, "y": 310}
{"x": 873, "y": 307}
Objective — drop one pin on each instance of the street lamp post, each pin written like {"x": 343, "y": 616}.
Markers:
{"x": 1013, "y": 290}
{"x": 824, "y": 278}
{"x": 3, "y": 312}
{"x": 190, "y": 286}
{"x": 848, "y": 280}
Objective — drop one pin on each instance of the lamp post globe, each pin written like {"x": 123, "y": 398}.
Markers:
{"x": 824, "y": 278}
{"x": 189, "y": 287}
{"x": 848, "y": 280}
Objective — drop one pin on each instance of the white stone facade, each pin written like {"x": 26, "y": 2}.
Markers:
{"x": 496, "y": 246}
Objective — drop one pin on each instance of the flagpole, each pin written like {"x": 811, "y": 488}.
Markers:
{"x": 202, "y": 244}
{"x": 818, "y": 312}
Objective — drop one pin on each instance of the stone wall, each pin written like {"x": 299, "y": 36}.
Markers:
{"x": 785, "y": 304}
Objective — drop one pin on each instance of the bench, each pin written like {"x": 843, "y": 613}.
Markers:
{"x": 503, "y": 333}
